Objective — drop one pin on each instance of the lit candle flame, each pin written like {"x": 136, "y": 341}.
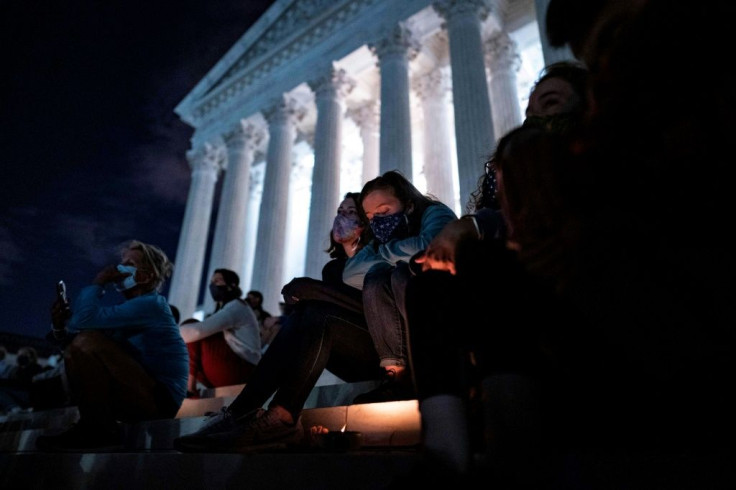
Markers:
{"x": 343, "y": 428}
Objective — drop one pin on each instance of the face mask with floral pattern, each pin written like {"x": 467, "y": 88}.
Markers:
{"x": 345, "y": 229}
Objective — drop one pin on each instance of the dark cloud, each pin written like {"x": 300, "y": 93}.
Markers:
{"x": 93, "y": 153}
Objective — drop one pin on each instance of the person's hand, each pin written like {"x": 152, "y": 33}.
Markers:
{"x": 440, "y": 253}
{"x": 109, "y": 274}
{"x": 60, "y": 313}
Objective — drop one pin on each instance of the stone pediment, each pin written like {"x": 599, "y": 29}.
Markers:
{"x": 294, "y": 21}
{"x": 288, "y": 28}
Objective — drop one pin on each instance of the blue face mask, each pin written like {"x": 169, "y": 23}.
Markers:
{"x": 387, "y": 227}
{"x": 128, "y": 282}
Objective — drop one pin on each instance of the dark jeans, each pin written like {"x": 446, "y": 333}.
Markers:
{"x": 108, "y": 384}
{"x": 384, "y": 292}
{"x": 317, "y": 335}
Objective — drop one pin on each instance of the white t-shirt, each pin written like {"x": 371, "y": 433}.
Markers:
{"x": 239, "y": 325}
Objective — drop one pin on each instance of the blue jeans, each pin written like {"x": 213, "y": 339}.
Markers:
{"x": 317, "y": 335}
{"x": 384, "y": 291}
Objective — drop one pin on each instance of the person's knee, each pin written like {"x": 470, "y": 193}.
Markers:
{"x": 400, "y": 277}
{"x": 83, "y": 343}
{"x": 376, "y": 283}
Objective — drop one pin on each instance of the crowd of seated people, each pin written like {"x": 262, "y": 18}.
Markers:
{"x": 584, "y": 304}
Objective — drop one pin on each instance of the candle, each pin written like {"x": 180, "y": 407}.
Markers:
{"x": 339, "y": 441}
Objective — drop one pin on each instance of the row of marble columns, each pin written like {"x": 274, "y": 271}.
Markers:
{"x": 485, "y": 104}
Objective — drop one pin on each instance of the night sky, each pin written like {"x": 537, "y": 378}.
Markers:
{"x": 93, "y": 153}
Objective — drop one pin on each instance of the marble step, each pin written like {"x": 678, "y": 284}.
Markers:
{"x": 359, "y": 470}
{"x": 381, "y": 425}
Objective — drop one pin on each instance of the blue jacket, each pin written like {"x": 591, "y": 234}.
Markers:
{"x": 435, "y": 218}
{"x": 146, "y": 326}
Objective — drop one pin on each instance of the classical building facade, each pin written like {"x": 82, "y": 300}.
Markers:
{"x": 318, "y": 97}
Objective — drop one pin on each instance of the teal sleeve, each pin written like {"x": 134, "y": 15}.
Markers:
{"x": 434, "y": 219}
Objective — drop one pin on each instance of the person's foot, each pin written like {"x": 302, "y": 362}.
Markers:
{"x": 83, "y": 437}
{"x": 394, "y": 387}
{"x": 222, "y": 421}
{"x": 261, "y": 428}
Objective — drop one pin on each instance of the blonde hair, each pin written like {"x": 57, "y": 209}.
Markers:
{"x": 154, "y": 258}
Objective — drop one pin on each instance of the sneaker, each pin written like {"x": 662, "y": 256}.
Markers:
{"x": 262, "y": 429}
{"x": 216, "y": 422}
{"x": 223, "y": 421}
{"x": 83, "y": 438}
{"x": 392, "y": 388}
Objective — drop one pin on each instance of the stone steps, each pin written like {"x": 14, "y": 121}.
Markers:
{"x": 386, "y": 425}
{"x": 390, "y": 439}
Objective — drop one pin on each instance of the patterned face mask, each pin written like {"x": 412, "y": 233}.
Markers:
{"x": 387, "y": 227}
{"x": 129, "y": 281}
{"x": 345, "y": 229}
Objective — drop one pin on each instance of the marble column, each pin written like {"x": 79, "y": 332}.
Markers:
{"x": 503, "y": 60}
{"x": 329, "y": 91}
{"x": 228, "y": 244}
{"x": 393, "y": 52}
{"x": 268, "y": 264}
{"x": 189, "y": 262}
{"x": 550, "y": 53}
{"x": 366, "y": 117}
{"x": 474, "y": 134}
{"x": 251, "y": 228}
{"x": 432, "y": 88}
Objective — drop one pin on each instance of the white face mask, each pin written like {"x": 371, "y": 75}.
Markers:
{"x": 129, "y": 281}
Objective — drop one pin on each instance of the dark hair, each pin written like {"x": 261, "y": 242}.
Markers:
{"x": 231, "y": 279}
{"x": 484, "y": 195}
{"x": 573, "y": 72}
{"x": 394, "y": 182}
{"x": 257, "y": 294}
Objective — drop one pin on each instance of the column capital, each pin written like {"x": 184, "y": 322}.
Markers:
{"x": 244, "y": 134}
{"x": 399, "y": 40}
{"x": 431, "y": 84}
{"x": 283, "y": 109}
{"x": 449, "y": 8}
{"x": 502, "y": 53}
{"x": 334, "y": 82}
{"x": 366, "y": 115}
{"x": 206, "y": 158}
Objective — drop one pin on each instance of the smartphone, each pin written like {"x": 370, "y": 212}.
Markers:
{"x": 61, "y": 292}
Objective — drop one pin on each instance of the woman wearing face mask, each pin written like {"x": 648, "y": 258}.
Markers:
{"x": 326, "y": 330}
{"x": 225, "y": 347}
{"x": 404, "y": 222}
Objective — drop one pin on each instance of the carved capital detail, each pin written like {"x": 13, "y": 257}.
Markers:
{"x": 206, "y": 158}
{"x": 432, "y": 84}
{"x": 399, "y": 40}
{"x": 245, "y": 134}
{"x": 283, "y": 109}
{"x": 335, "y": 82}
{"x": 366, "y": 116}
{"x": 502, "y": 53}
